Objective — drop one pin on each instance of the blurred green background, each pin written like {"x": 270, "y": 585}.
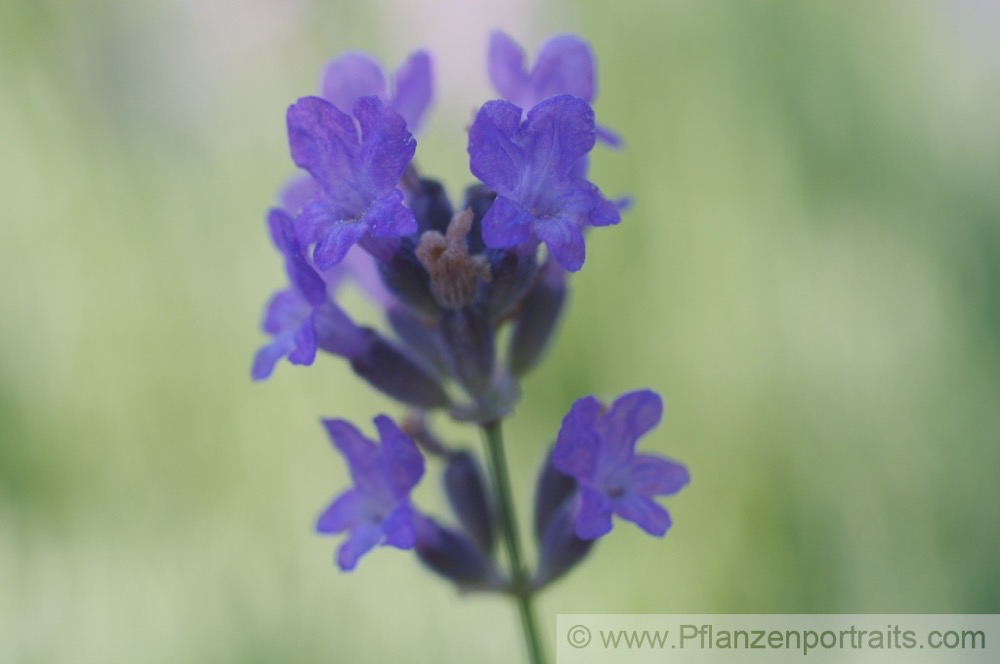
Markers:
{"x": 809, "y": 276}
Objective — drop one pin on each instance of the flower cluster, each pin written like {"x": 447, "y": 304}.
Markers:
{"x": 448, "y": 281}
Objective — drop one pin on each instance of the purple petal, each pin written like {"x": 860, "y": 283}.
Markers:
{"x": 630, "y": 417}
{"x": 609, "y": 137}
{"x": 594, "y": 516}
{"x": 323, "y": 141}
{"x": 577, "y": 447}
{"x": 404, "y": 465}
{"x": 564, "y": 240}
{"x": 361, "y": 454}
{"x": 414, "y": 89}
{"x": 505, "y": 61}
{"x": 388, "y": 217}
{"x": 305, "y": 279}
{"x": 307, "y": 282}
{"x": 297, "y": 192}
{"x": 651, "y": 475}
{"x": 267, "y": 356}
{"x": 314, "y": 218}
{"x": 507, "y": 224}
{"x": 564, "y": 65}
{"x": 399, "y": 528}
{"x": 493, "y": 156}
{"x": 333, "y": 246}
{"x": 358, "y": 543}
{"x": 284, "y": 315}
{"x": 364, "y": 272}
{"x": 336, "y": 333}
{"x": 305, "y": 344}
{"x": 285, "y": 311}
{"x": 282, "y": 228}
{"x": 386, "y": 145}
{"x": 599, "y": 210}
{"x": 559, "y": 131}
{"x": 644, "y": 513}
{"x": 346, "y": 511}
{"x": 349, "y": 77}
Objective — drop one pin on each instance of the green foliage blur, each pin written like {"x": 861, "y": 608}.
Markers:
{"x": 810, "y": 275}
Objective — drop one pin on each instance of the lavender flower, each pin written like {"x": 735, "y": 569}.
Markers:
{"x": 448, "y": 281}
{"x": 357, "y": 177}
{"x": 302, "y": 318}
{"x": 564, "y": 66}
{"x": 377, "y": 509}
{"x": 596, "y": 446}
{"x": 530, "y": 166}
{"x": 353, "y": 75}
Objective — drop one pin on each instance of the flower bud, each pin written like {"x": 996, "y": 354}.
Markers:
{"x": 514, "y": 271}
{"x": 537, "y": 319}
{"x": 407, "y": 279}
{"x": 466, "y": 492}
{"x": 559, "y": 547}
{"x": 418, "y": 336}
{"x": 468, "y": 336}
{"x": 478, "y": 198}
{"x": 430, "y": 206}
{"x": 391, "y": 371}
{"x": 455, "y": 557}
{"x": 551, "y": 491}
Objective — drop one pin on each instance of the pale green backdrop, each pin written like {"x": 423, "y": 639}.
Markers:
{"x": 809, "y": 276}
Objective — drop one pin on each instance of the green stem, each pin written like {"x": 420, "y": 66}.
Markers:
{"x": 521, "y": 583}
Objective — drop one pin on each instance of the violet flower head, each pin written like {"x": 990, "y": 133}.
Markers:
{"x": 357, "y": 176}
{"x": 564, "y": 66}
{"x": 531, "y": 167}
{"x": 301, "y": 318}
{"x": 377, "y": 509}
{"x": 353, "y": 75}
{"x": 596, "y": 446}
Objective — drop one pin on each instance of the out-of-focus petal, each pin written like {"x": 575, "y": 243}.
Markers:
{"x": 655, "y": 476}
{"x": 268, "y": 355}
{"x": 349, "y": 77}
{"x": 336, "y": 333}
{"x": 404, "y": 465}
{"x": 630, "y": 417}
{"x": 358, "y": 543}
{"x": 594, "y": 516}
{"x": 346, "y": 510}
{"x": 564, "y": 65}
{"x": 361, "y": 454}
{"x": 399, "y": 529}
{"x": 644, "y": 513}
{"x": 505, "y": 62}
{"x": 565, "y": 242}
{"x": 414, "y": 89}
{"x": 577, "y": 447}
{"x": 304, "y": 351}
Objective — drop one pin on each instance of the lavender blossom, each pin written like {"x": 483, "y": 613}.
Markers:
{"x": 596, "y": 446}
{"x": 531, "y": 167}
{"x": 377, "y": 509}
{"x": 564, "y": 66}
{"x": 353, "y": 75}
{"x": 357, "y": 177}
{"x": 302, "y": 318}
